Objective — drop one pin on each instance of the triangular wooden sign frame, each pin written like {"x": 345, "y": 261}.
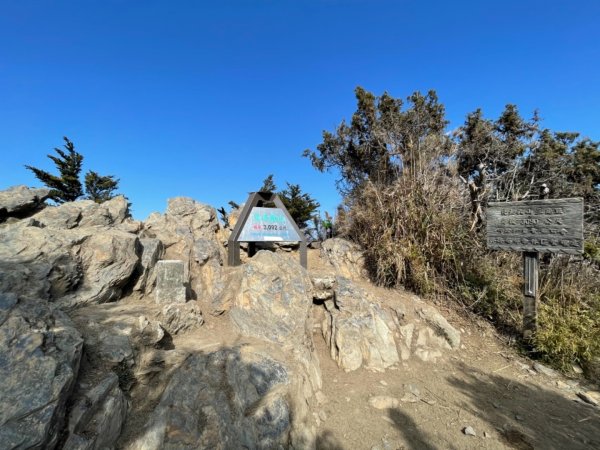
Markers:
{"x": 257, "y": 199}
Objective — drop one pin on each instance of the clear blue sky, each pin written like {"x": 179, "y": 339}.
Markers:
{"x": 205, "y": 99}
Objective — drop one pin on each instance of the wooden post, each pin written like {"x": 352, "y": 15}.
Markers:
{"x": 530, "y": 293}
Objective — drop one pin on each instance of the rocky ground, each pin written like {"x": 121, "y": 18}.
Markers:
{"x": 97, "y": 353}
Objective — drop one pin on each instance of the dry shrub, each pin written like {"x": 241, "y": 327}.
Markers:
{"x": 569, "y": 316}
{"x": 416, "y": 233}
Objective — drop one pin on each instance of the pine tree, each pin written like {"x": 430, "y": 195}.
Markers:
{"x": 100, "y": 188}
{"x": 299, "y": 204}
{"x": 66, "y": 186}
{"x": 268, "y": 185}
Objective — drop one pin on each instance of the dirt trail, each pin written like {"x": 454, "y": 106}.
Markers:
{"x": 485, "y": 385}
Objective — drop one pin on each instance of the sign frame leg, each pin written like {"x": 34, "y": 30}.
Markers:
{"x": 531, "y": 264}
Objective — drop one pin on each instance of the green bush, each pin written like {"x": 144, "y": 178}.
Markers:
{"x": 569, "y": 314}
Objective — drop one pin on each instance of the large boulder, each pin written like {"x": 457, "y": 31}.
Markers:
{"x": 21, "y": 201}
{"x": 53, "y": 257}
{"x": 272, "y": 299}
{"x": 97, "y": 416}
{"x": 152, "y": 250}
{"x": 109, "y": 260}
{"x": 358, "y": 331}
{"x": 189, "y": 232}
{"x": 40, "y": 351}
{"x": 243, "y": 397}
{"x": 346, "y": 257}
{"x": 38, "y": 262}
{"x": 84, "y": 213}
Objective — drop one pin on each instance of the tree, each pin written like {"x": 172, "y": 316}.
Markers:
{"x": 383, "y": 141}
{"x": 268, "y": 185}
{"x": 66, "y": 186}
{"x": 300, "y": 205}
{"x": 100, "y": 188}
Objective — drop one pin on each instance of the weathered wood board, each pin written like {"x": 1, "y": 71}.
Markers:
{"x": 553, "y": 226}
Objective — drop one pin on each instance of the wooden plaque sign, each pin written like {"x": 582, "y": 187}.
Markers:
{"x": 534, "y": 227}
{"x": 553, "y": 226}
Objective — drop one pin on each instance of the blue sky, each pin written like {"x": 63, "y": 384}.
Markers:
{"x": 204, "y": 99}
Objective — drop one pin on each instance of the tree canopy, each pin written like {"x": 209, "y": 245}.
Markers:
{"x": 66, "y": 186}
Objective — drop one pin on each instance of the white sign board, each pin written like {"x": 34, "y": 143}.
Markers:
{"x": 268, "y": 225}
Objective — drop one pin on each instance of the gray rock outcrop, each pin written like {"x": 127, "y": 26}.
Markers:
{"x": 84, "y": 213}
{"x": 20, "y": 201}
{"x": 232, "y": 398}
{"x": 177, "y": 318}
{"x": 152, "y": 250}
{"x": 358, "y": 331}
{"x": 63, "y": 255}
{"x": 97, "y": 417}
{"x": 40, "y": 351}
{"x": 272, "y": 299}
{"x": 346, "y": 257}
{"x": 189, "y": 232}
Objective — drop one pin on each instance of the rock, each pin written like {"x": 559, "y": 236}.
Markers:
{"x": 151, "y": 251}
{"x": 84, "y": 213}
{"x": 383, "y": 402}
{"x": 109, "y": 346}
{"x": 577, "y": 369}
{"x": 359, "y": 332}
{"x": 108, "y": 259}
{"x": 272, "y": 299}
{"x": 540, "y": 368}
{"x": 406, "y": 333}
{"x": 208, "y": 279}
{"x": 69, "y": 266}
{"x": 38, "y": 263}
{"x": 157, "y": 362}
{"x": 324, "y": 287}
{"x": 346, "y": 257}
{"x": 440, "y": 325}
{"x": 40, "y": 351}
{"x": 149, "y": 333}
{"x": 97, "y": 417}
{"x": 321, "y": 398}
{"x": 409, "y": 397}
{"x": 427, "y": 355}
{"x": 177, "y": 318}
{"x": 184, "y": 220}
{"x": 588, "y": 398}
{"x": 412, "y": 394}
{"x": 469, "y": 431}
{"x": 189, "y": 231}
{"x": 170, "y": 282}
{"x": 231, "y": 398}
{"x": 21, "y": 201}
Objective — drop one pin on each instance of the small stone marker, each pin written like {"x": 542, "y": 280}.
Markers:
{"x": 170, "y": 287}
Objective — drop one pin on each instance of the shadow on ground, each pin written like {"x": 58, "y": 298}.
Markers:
{"x": 528, "y": 416}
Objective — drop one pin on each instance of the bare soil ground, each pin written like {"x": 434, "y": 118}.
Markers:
{"x": 486, "y": 385}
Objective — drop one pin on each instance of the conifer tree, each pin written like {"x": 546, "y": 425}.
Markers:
{"x": 100, "y": 188}
{"x": 66, "y": 186}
